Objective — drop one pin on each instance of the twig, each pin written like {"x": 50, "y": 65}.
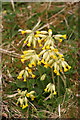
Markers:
{"x": 12, "y": 2}
{"x": 47, "y": 98}
{"x": 11, "y": 53}
{"x": 37, "y": 25}
{"x": 66, "y": 22}
{"x": 20, "y": 42}
{"x": 33, "y": 106}
{"x": 10, "y": 96}
{"x": 57, "y": 13}
{"x": 51, "y": 18}
{"x": 46, "y": 25}
{"x": 59, "y": 110}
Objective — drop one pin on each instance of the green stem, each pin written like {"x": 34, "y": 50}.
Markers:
{"x": 58, "y": 86}
{"x": 64, "y": 80}
{"x": 52, "y": 75}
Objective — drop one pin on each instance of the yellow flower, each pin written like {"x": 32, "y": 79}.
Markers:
{"x": 50, "y": 32}
{"x": 64, "y": 36}
{"x": 38, "y": 55}
{"x": 33, "y": 76}
{"x": 18, "y": 89}
{"x": 69, "y": 67}
{"x": 32, "y": 97}
{"x": 20, "y": 105}
{"x": 55, "y": 71}
{"x": 54, "y": 57}
{"x": 33, "y": 63}
{"x": 43, "y": 48}
{"x": 29, "y": 44}
{"x": 55, "y": 50}
{"x": 23, "y": 32}
{"x": 29, "y": 70}
{"x": 60, "y": 70}
{"x": 36, "y": 35}
{"x": 48, "y": 47}
{"x": 39, "y": 62}
{"x": 44, "y": 39}
{"x": 39, "y": 41}
{"x": 65, "y": 69}
{"x": 46, "y": 65}
{"x": 25, "y": 41}
{"x": 40, "y": 45}
{"x": 25, "y": 80}
{"x": 62, "y": 59}
{"x": 24, "y": 106}
{"x": 19, "y": 77}
{"x": 54, "y": 93}
{"x": 42, "y": 61}
{"x": 34, "y": 46}
{"x": 22, "y": 60}
{"x": 45, "y": 89}
{"x": 50, "y": 88}
{"x": 30, "y": 65}
{"x": 24, "y": 52}
{"x": 50, "y": 66}
{"x": 38, "y": 32}
{"x": 60, "y": 40}
{"x": 28, "y": 94}
{"x": 60, "y": 55}
{"x": 58, "y": 73}
{"x": 59, "y": 35}
{"x": 22, "y": 56}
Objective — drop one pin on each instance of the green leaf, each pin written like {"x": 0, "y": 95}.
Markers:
{"x": 21, "y": 84}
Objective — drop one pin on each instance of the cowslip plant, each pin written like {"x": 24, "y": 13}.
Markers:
{"x": 41, "y": 50}
{"x": 23, "y": 98}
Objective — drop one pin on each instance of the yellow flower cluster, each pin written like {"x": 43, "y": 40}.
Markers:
{"x": 53, "y": 58}
{"x": 42, "y": 38}
{"x": 23, "y": 99}
{"x": 34, "y": 38}
{"x": 48, "y": 55}
{"x": 26, "y": 73}
{"x": 23, "y": 102}
{"x": 27, "y": 55}
{"x": 60, "y": 65}
{"x": 30, "y": 94}
{"x": 50, "y": 88}
{"x": 30, "y": 55}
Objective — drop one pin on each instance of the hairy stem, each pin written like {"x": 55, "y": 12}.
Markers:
{"x": 52, "y": 75}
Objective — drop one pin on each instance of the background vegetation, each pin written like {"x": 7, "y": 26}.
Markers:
{"x": 61, "y": 18}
